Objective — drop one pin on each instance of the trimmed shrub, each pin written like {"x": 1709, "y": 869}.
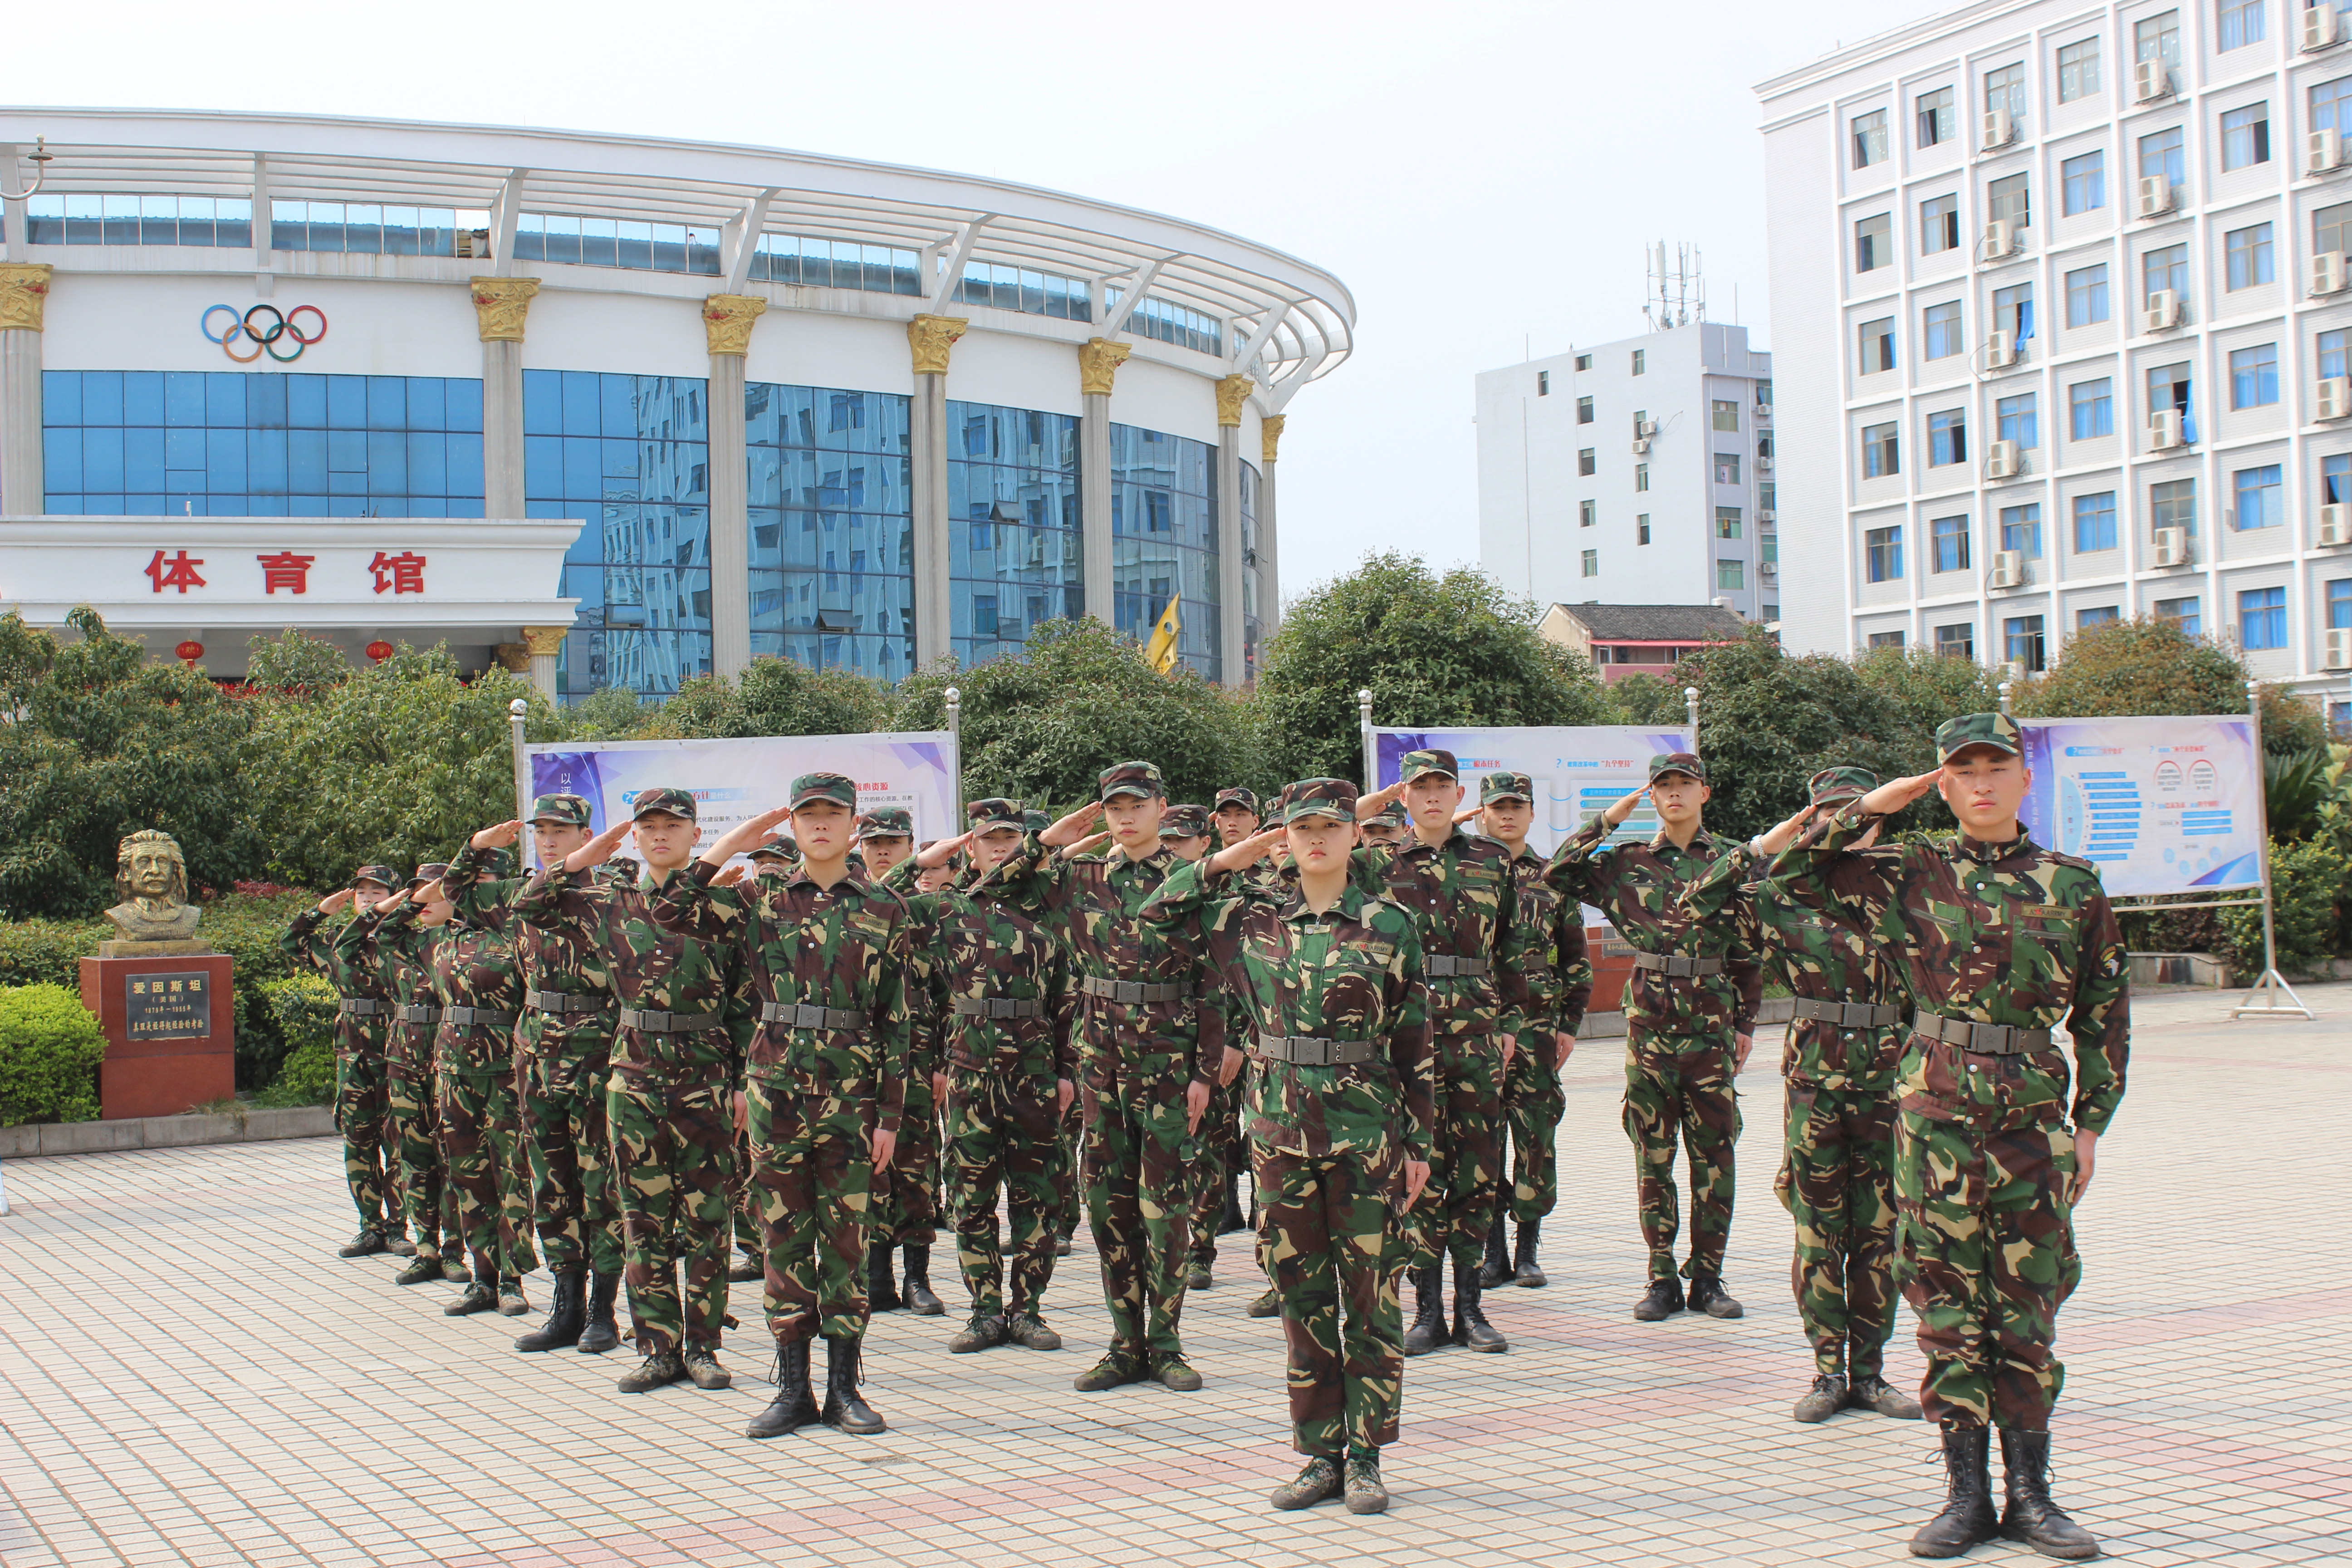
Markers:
{"x": 2307, "y": 881}
{"x": 50, "y": 1046}
{"x": 304, "y": 1008}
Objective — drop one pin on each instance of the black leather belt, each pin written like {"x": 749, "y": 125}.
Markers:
{"x": 1308, "y": 1051}
{"x": 566, "y": 1002}
{"x": 413, "y": 1014}
{"x": 802, "y": 1016}
{"x": 1445, "y": 966}
{"x": 1983, "y": 1039}
{"x": 360, "y": 1007}
{"x": 1131, "y": 992}
{"x": 997, "y": 1007}
{"x": 477, "y": 1019}
{"x": 1847, "y": 1014}
{"x": 659, "y": 1023}
{"x": 1675, "y": 966}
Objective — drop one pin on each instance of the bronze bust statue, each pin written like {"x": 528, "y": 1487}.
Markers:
{"x": 153, "y": 879}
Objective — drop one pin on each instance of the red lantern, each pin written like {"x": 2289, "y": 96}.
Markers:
{"x": 379, "y": 650}
{"x": 189, "y": 652}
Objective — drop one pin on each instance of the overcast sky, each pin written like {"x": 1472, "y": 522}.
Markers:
{"x": 1482, "y": 175}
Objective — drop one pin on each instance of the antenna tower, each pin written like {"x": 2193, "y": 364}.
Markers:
{"x": 1677, "y": 291}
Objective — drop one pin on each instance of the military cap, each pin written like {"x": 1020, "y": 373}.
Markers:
{"x": 384, "y": 875}
{"x": 1417, "y": 764}
{"x": 1035, "y": 821}
{"x": 431, "y": 871}
{"x": 499, "y": 862}
{"x": 775, "y": 847}
{"x": 1333, "y": 798}
{"x": 1130, "y": 778}
{"x": 571, "y": 810}
{"x": 1678, "y": 762}
{"x": 1833, "y": 784}
{"x": 676, "y": 802}
{"x": 887, "y": 822}
{"x": 1506, "y": 787}
{"x": 834, "y": 787}
{"x": 1998, "y": 730}
{"x": 1244, "y": 798}
{"x": 994, "y": 813}
{"x": 1185, "y": 822}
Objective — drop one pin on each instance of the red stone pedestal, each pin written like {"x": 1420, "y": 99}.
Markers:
{"x": 164, "y": 1052}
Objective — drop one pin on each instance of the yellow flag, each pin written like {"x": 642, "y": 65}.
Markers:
{"x": 1161, "y": 651}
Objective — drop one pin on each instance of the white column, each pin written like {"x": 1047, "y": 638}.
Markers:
{"x": 500, "y": 306}
{"x": 929, "y": 339}
{"x": 728, "y": 320}
{"x": 1098, "y": 362}
{"x": 1233, "y": 392}
{"x": 24, "y": 296}
{"x": 543, "y": 644}
{"x": 1269, "y": 574}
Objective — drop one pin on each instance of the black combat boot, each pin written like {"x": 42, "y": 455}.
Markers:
{"x": 598, "y": 1333}
{"x": 794, "y": 1406}
{"x": 922, "y": 1299}
{"x": 1427, "y": 1330}
{"x": 1233, "y": 1218}
{"x": 1471, "y": 1329}
{"x": 1967, "y": 1517}
{"x": 1662, "y": 1300}
{"x": 567, "y": 1315}
{"x": 844, "y": 1406}
{"x": 881, "y": 1291}
{"x": 2030, "y": 1516}
{"x": 1495, "y": 1269}
{"x": 1525, "y": 1270}
{"x": 1707, "y": 1295}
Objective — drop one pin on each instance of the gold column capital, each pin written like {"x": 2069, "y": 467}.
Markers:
{"x": 514, "y": 658}
{"x": 728, "y": 319}
{"x": 499, "y": 306}
{"x": 23, "y": 294}
{"x": 1098, "y": 362}
{"x": 930, "y": 337}
{"x": 544, "y": 642}
{"x": 1233, "y": 391}
{"x": 1269, "y": 435}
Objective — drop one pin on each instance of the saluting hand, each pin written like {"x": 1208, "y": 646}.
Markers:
{"x": 1465, "y": 814}
{"x": 1784, "y": 834}
{"x": 335, "y": 900}
{"x": 430, "y": 892}
{"x": 1248, "y": 851}
{"x": 497, "y": 838}
{"x": 728, "y": 878}
{"x": 599, "y": 849}
{"x": 940, "y": 853}
{"x": 744, "y": 835}
{"x": 1623, "y": 807}
{"x": 1895, "y": 793}
{"x": 1084, "y": 846}
{"x": 1087, "y": 819}
{"x": 1379, "y": 801}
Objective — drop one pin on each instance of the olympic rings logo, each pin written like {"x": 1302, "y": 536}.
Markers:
{"x": 265, "y": 336}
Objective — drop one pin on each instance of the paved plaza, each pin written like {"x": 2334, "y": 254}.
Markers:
{"x": 190, "y": 1375}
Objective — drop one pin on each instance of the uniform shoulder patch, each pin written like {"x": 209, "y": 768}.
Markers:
{"x": 2061, "y": 858}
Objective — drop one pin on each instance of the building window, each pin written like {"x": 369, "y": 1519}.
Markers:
{"x": 1584, "y": 362}
{"x": 2101, "y": 616}
{"x": 2168, "y": 387}
{"x": 2013, "y": 313}
{"x": 1592, "y": 563}
{"x": 2015, "y": 419}
{"x": 2021, "y": 530}
{"x": 2158, "y": 38}
{"x": 2245, "y": 136}
{"x": 2006, "y": 198}
{"x": 1873, "y": 243}
{"x": 1948, "y": 437}
{"x": 1166, "y": 535}
{"x": 2249, "y": 255}
{"x": 2339, "y": 604}
{"x": 2091, "y": 409}
{"x": 847, "y": 264}
{"x": 1641, "y": 476}
{"x": 1948, "y": 545}
{"x": 1731, "y": 575}
{"x": 2333, "y": 359}
{"x": 1584, "y": 410}
{"x": 2094, "y": 523}
{"x": 2181, "y": 614}
{"x": 1765, "y": 496}
{"x": 1763, "y": 394}
{"x": 1935, "y": 116}
{"x": 1586, "y": 463}
{"x": 1877, "y": 339}
{"x": 1956, "y": 642}
{"x": 2087, "y": 295}
{"x": 1727, "y": 522}
{"x": 1883, "y": 553}
{"x": 60, "y": 218}
{"x": 1886, "y": 639}
{"x": 2331, "y": 106}
{"x": 2078, "y": 69}
{"x": 2021, "y": 642}
{"x": 2242, "y": 24}
{"x": 2164, "y": 268}
{"x": 1171, "y": 323}
{"x": 1726, "y": 467}
{"x": 1940, "y": 224}
{"x": 2253, "y": 376}
{"x": 1641, "y": 356}
{"x": 1008, "y": 287}
{"x": 1543, "y": 383}
{"x": 1641, "y": 528}
{"x": 2082, "y": 182}
{"x": 1943, "y": 331}
{"x": 2173, "y": 504}
{"x": 1879, "y": 456}
{"x": 2164, "y": 153}
{"x": 2005, "y": 89}
{"x": 1726, "y": 414}
{"x": 1764, "y": 443}
{"x": 2257, "y": 493}
{"x": 1870, "y": 139}
{"x": 616, "y": 242}
{"x": 2336, "y": 478}
{"x": 2262, "y": 617}
{"x": 1588, "y": 512}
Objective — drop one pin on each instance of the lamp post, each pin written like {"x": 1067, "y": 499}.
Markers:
{"x": 40, "y": 157}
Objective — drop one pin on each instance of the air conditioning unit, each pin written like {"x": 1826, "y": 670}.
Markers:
{"x": 2008, "y": 569}
{"x": 1999, "y": 129}
{"x": 1640, "y": 444}
{"x": 1768, "y": 570}
{"x": 2004, "y": 461}
{"x": 2339, "y": 648}
{"x": 2164, "y": 431}
{"x": 2155, "y": 196}
{"x": 2001, "y": 350}
{"x": 2327, "y": 272}
{"x": 2000, "y": 240}
{"x": 2335, "y": 524}
{"x": 1766, "y": 516}
{"x": 2319, "y": 29}
{"x": 2172, "y": 547}
{"x": 1646, "y": 426}
{"x": 1763, "y": 411}
{"x": 2163, "y": 313}
{"x": 2150, "y": 82}
{"x": 2323, "y": 151}
{"x": 2336, "y": 398}
{"x": 1763, "y": 465}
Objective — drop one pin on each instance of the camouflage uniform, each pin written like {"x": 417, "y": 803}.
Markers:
{"x": 1679, "y": 1025}
{"x": 370, "y": 1170}
{"x": 1329, "y": 1139}
{"x": 1217, "y": 1155}
{"x": 480, "y": 987}
{"x": 904, "y": 1210}
{"x": 400, "y": 950}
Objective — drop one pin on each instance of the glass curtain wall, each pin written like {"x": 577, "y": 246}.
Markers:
{"x": 831, "y": 529}
{"x": 1014, "y": 538}
{"x": 1163, "y": 522}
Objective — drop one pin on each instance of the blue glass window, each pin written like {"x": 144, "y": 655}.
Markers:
{"x": 1020, "y": 289}
{"x": 2015, "y": 419}
{"x": 2083, "y": 180}
{"x": 2253, "y": 376}
{"x": 2094, "y": 523}
{"x": 1013, "y": 538}
{"x": 837, "y": 264}
{"x": 1165, "y": 540}
{"x": 2262, "y": 617}
{"x": 2098, "y": 616}
{"x": 58, "y": 218}
{"x": 1947, "y": 539}
{"x": 367, "y": 228}
{"x": 2021, "y": 530}
{"x": 1948, "y": 437}
{"x": 616, "y": 242}
{"x": 1171, "y": 323}
{"x": 833, "y": 580}
{"x": 2258, "y": 497}
{"x": 2339, "y": 604}
{"x": 2092, "y": 406}
{"x": 2021, "y": 641}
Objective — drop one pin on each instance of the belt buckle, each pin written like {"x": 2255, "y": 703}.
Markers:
{"x": 1314, "y": 1053}
{"x": 1986, "y": 1039}
{"x": 805, "y": 1016}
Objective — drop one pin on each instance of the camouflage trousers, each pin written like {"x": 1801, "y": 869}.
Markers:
{"x": 371, "y": 1170}
{"x": 1533, "y": 1104}
{"x": 1002, "y": 1132}
{"x": 570, "y": 1153}
{"x": 1138, "y": 1156}
{"x": 813, "y": 1180}
{"x": 1336, "y": 1250}
{"x": 1680, "y": 1089}
{"x": 1837, "y": 1182}
{"x": 1070, "y": 1144}
{"x": 413, "y": 1128}
{"x": 481, "y": 1125}
{"x": 1218, "y": 1156}
{"x": 907, "y": 1197}
{"x": 742, "y": 1199}
{"x": 1457, "y": 1208}
{"x": 673, "y": 1163}
{"x": 1985, "y": 1255}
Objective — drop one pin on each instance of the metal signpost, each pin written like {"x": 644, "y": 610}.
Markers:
{"x": 2271, "y": 986}
{"x": 516, "y": 712}
{"x": 955, "y": 728}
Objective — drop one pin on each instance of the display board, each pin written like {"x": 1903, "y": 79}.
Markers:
{"x": 1577, "y": 772}
{"x": 2160, "y": 805}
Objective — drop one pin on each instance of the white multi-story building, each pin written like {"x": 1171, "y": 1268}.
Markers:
{"x": 2060, "y": 295}
{"x": 1633, "y": 472}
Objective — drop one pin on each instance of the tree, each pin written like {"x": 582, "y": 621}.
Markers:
{"x": 772, "y": 696}
{"x": 1928, "y": 688}
{"x": 95, "y": 744}
{"x": 295, "y": 662}
{"x": 1435, "y": 651}
{"x": 1647, "y": 699}
{"x": 2153, "y": 666}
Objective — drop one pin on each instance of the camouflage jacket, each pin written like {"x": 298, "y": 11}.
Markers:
{"x": 312, "y": 944}
{"x": 1821, "y": 949}
{"x": 1992, "y": 933}
{"x": 1352, "y": 972}
{"x": 655, "y": 971}
{"x": 1463, "y": 899}
{"x": 983, "y": 942}
{"x": 474, "y": 966}
{"x": 1559, "y": 970}
{"x": 561, "y": 957}
{"x": 842, "y": 947}
{"x": 1639, "y": 887}
{"x": 400, "y": 952}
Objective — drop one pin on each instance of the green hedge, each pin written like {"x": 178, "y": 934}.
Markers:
{"x": 2309, "y": 882}
{"x": 304, "y": 1008}
{"x": 50, "y": 1046}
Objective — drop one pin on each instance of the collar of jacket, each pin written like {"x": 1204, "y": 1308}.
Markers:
{"x": 1702, "y": 842}
{"x": 1350, "y": 904}
{"x": 1961, "y": 846}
